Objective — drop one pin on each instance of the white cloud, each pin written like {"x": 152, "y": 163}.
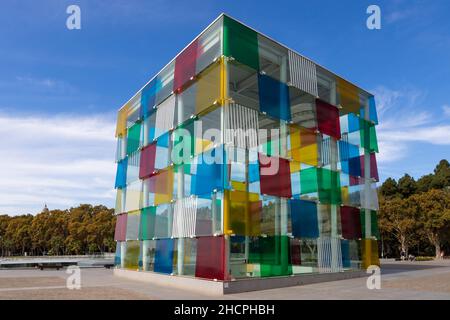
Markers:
{"x": 62, "y": 160}
{"x": 446, "y": 110}
{"x": 404, "y": 120}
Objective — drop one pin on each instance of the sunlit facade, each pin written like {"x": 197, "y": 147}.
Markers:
{"x": 292, "y": 189}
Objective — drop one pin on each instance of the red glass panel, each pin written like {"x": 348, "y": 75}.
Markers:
{"x": 121, "y": 227}
{"x": 275, "y": 176}
{"x": 185, "y": 65}
{"x": 147, "y": 164}
{"x": 328, "y": 119}
{"x": 373, "y": 166}
{"x": 351, "y": 224}
{"x": 210, "y": 263}
{"x": 296, "y": 252}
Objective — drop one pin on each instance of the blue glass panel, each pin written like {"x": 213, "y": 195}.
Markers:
{"x": 274, "y": 98}
{"x": 121, "y": 174}
{"x": 304, "y": 219}
{"x": 354, "y": 167}
{"x": 118, "y": 255}
{"x": 373, "y": 116}
{"x": 210, "y": 172}
{"x": 253, "y": 172}
{"x": 353, "y": 122}
{"x": 148, "y": 97}
{"x": 347, "y": 150}
{"x": 163, "y": 141}
{"x": 345, "y": 249}
{"x": 164, "y": 256}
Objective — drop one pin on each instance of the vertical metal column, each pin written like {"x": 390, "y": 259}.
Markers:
{"x": 180, "y": 190}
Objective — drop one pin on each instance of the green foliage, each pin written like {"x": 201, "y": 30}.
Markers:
{"x": 417, "y": 214}
{"x": 80, "y": 230}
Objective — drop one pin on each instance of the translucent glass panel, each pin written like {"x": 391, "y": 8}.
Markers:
{"x": 242, "y": 213}
{"x": 208, "y": 216}
{"x": 322, "y": 181}
{"x": 209, "y": 172}
{"x": 304, "y": 219}
{"x": 163, "y": 221}
{"x": 275, "y": 176}
{"x": 374, "y": 232}
{"x": 369, "y": 253}
{"x": 121, "y": 174}
{"x": 351, "y": 223}
{"x": 161, "y": 186}
{"x": 274, "y": 98}
{"x": 210, "y": 260}
{"x": 118, "y": 254}
{"x": 210, "y": 87}
{"x": 133, "y": 167}
{"x": 241, "y": 43}
{"x": 373, "y": 166}
{"x": 164, "y": 256}
{"x": 131, "y": 260}
{"x": 133, "y": 196}
{"x": 121, "y": 228}
{"x": 348, "y": 96}
{"x": 208, "y": 130}
{"x": 303, "y": 145}
{"x": 271, "y": 253}
{"x": 148, "y": 249}
{"x": 328, "y": 119}
{"x": 147, "y": 223}
{"x": 133, "y": 138}
{"x": 162, "y": 157}
{"x": 147, "y": 163}
{"x": 119, "y": 202}
{"x": 133, "y": 221}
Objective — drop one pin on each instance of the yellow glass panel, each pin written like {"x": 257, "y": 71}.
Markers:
{"x": 133, "y": 196}
{"x": 294, "y": 166}
{"x": 202, "y": 145}
{"x": 369, "y": 250}
{"x": 118, "y": 207}
{"x": 242, "y": 213}
{"x": 349, "y": 96}
{"x": 344, "y": 195}
{"x": 164, "y": 186}
{"x": 121, "y": 127}
{"x": 210, "y": 88}
{"x": 303, "y": 145}
{"x": 239, "y": 186}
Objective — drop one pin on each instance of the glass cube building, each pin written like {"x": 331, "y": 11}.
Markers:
{"x": 243, "y": 159}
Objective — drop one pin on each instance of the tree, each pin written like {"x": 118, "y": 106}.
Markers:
{"x": 407, "y": 186}
{"x": 398, "y": 218}
{"x": 441, "y": 178}
{"x": 389, "y": 188}
{"x": 434, "y": 216}
{"x": 424, "y": 183}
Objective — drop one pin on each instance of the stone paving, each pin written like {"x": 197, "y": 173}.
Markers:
{"x": 400, "y": 280}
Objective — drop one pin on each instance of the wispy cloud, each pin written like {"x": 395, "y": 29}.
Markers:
{"x": 405, "y": 120}
{"x": 446, "y": 110}
{"x": 61, "y": 160}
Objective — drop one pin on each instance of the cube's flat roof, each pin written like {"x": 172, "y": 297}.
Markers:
{"x": 262, "y": 34}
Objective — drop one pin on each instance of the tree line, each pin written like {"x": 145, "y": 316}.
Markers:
{"x": 85, "y": 229}
{"x": 414, "y": 216}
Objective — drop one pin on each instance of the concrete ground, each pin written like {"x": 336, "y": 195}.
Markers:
{"x": 400, "y": 280}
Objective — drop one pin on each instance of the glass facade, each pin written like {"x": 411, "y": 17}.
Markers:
{"x": 243, "y": 159}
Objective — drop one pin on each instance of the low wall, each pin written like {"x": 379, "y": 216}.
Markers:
{"x": 216, "y": 288}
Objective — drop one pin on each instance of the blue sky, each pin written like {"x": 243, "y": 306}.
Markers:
{"x": 60, "y": 89}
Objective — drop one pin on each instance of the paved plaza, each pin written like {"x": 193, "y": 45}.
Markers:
{"x": 400, "y": 280}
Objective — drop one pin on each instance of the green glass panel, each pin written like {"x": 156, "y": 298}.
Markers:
{"x": 308, "y": 180}
{"x": 368, "y": 136}
{"x": 373, "y": 224}
{"x": 240, "y": 42}
{"x": 132, "y": 255}
{"x": 133, "y": 138}
{"x": 147, "y": 227}
{"x": 329, "y": 186}
{"x": 272, "y": 255}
